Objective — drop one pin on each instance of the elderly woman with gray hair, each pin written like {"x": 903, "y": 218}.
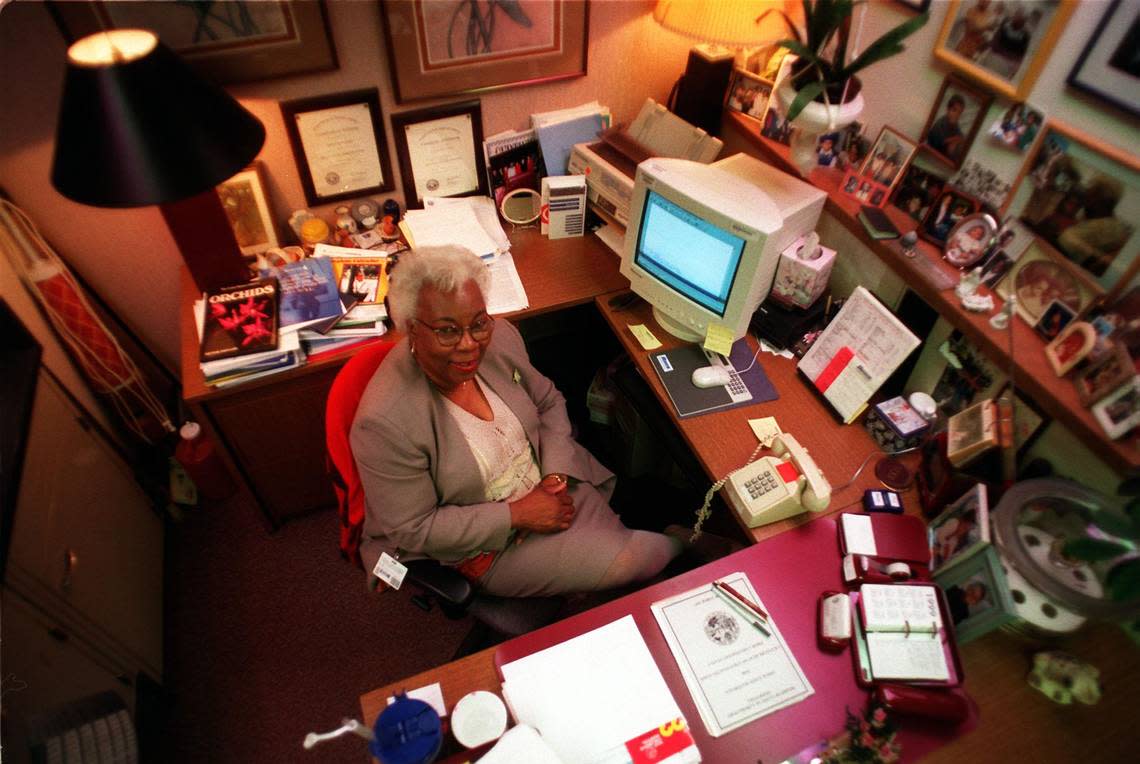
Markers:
{"x": 465, "y": 453}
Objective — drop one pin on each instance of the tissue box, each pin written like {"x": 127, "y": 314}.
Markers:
{"x": 895, "y": 425}
{"x": 799, "y": 282}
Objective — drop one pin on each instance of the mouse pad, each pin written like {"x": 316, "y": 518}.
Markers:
{"x": 675, "y": 370}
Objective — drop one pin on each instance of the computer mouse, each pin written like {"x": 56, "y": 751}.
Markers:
{"x": 711, "y": 376}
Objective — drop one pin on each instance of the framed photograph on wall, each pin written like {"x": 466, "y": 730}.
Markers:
{"x": 226, "y": 42}
{"x": 1082, "y": 196}
{"x": 1108, "y": 67}
{"x": 888, "y": 158}
{"x": 339, "y": 145}
{"x": 977, "y": 594}
{"x": 1017, "y": 128}
{"x": 949, "y": 209}
{"x": 1003, "y": 46}
{"x": 1040, "y": 276}
{"x": 918, "y": 188}
{"x": 1105, "y": 375}
{"x": 440, "y": 150}
{"x": 243, "y": 199}
{"x": 1011, "y": 240}
{"x": 954, "y": 121}
{"x": 439, "y": 49}
{"x": 1119, "y": 411}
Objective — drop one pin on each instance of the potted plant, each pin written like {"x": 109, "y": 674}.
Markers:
{"x": 820, "y": 93}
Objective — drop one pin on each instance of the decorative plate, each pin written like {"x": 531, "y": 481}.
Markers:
{"x": 969, "y": 240}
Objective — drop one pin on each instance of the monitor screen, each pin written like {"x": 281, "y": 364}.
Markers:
{"x": 668, "y": 239}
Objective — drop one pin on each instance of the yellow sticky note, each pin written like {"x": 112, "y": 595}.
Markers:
{"x": 766, "y": 429}
{"x": 718, "y": 339}
{"x": 644, "y": 336}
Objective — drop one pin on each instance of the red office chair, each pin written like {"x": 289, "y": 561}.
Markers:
{"x": 455, "y": 595}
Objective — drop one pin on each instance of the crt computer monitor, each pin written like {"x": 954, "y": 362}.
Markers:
{"x": 701, "y": 246}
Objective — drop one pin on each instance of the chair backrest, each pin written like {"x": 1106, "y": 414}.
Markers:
{"x": 340, "y": 410}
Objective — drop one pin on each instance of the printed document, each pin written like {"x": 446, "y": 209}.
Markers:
{"x": 733, "y": 671}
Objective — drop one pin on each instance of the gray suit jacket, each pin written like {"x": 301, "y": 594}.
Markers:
{"x": 423, "y": 489}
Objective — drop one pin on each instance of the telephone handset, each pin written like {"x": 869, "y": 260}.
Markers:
{"x": 778, "y": 487}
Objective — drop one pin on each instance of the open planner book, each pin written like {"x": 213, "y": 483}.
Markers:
{"x": 903, "y": 630}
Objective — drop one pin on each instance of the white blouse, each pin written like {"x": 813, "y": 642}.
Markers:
{"x": 505, "y": 457}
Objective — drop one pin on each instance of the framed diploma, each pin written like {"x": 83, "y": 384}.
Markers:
{"x": 440, "y": 151}
{"x": 339, "y": 145}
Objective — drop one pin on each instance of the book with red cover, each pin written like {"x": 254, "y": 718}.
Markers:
{"x": 240, "y": 320}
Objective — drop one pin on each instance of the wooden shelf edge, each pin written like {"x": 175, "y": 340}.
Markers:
{"x": 1032, "y": 374}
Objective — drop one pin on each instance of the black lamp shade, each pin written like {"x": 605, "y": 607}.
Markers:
{"x": 148, "y": 131}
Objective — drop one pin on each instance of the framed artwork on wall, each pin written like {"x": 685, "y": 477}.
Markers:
{"x": 1082, "y": 196}
{"x": 1108, "y": 67}
{"x": 954, "y": 121}
{"x": 1003, "y": 46}
{"x": 243, "y": 199}
{"x": 339, "y": 145}
{"x": 439, "y": 49}
{"x": 227, "y": 42}
{"x": 440, "y": 150}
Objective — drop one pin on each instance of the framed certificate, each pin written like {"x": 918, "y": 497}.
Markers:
{"x": 339, "y": 145}
{"x": 440, "y": 151}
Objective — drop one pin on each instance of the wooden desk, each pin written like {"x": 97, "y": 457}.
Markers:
{"x": 272, "y": 429}
{"x": 722, "y": 441}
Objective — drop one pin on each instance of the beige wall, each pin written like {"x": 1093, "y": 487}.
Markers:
{"x": 130, "y": 258}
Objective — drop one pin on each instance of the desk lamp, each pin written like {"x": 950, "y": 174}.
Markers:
{"x": 724, "y": 28}
{"x": 138, "y": 127}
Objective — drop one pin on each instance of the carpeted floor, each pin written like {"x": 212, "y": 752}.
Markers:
{"x": 269, "y": 637}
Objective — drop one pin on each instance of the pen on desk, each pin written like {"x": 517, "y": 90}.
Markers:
{"x": 748, "y": 612}
{"x": 731, "y": 592}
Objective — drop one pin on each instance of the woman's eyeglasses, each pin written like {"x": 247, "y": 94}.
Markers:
{"x": 449, "y": 336}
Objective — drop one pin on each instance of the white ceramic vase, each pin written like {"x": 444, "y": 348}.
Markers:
{"x": 815, "y": 120}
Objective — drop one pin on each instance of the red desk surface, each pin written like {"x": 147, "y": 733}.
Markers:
{"x": 789, "y": 572}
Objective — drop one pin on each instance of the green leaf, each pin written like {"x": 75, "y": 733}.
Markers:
{"x": 1093, "y": 550}
{"x": 805, "y": 96}
{"x": 1114, "y": 524}
{"x": 1124, "y": 581}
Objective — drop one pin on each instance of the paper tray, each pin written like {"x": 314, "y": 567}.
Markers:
{"x": 949, "y": 646}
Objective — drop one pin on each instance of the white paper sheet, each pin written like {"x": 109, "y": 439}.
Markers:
{"x": 734, "y": 672}
{"x": 506, "y": 293}
{"x": 449, "y": 224}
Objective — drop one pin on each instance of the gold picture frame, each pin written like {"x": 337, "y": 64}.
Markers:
{"x": 1042, "y": 275}
{"x": 1005, "y": 53}
{"x": 247, "y": 208}
{"x": 439, "y": 49}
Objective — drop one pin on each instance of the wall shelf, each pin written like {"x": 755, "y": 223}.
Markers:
{"x": 1031, "y": 371}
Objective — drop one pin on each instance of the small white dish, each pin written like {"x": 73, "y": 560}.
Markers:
{"x": 479, "y": 717}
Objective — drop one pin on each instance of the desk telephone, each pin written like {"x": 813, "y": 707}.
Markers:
{"x": 778, "y": 487}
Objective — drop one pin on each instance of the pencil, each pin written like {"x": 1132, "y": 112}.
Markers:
{"x": 745, "y": 612}
{"x": 727, "y": 589}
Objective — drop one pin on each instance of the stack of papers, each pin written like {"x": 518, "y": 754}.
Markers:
{"x": 599, "y": 697}
{"x": 361, "y": 281}
{"x": 559, "y": 130}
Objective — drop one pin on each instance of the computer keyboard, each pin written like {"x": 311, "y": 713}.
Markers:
{"x": 736, "y": 388}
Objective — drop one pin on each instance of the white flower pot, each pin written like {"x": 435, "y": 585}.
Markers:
{"x": 815, "y": 120}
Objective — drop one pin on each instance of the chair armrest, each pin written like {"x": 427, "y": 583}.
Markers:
{"x": 447, "y": 584}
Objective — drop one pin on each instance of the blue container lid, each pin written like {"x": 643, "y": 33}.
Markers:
{"x": 407, "y": 732}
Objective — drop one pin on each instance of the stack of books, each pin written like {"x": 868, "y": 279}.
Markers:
{"x": 877, "y": 223}
{"x": 239, "y": 328}
{"x": 359, "y": 279}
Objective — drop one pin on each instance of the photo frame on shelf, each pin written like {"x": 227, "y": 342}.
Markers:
{"x": 1103, "y": 68}
{"x": 961, "y": 530}
{"x": 1082, "y": 196}
{"x": 887, "y": 160}
{"x": 1119, "y": 411}
{"x": 919, "y": 187}
{"x": 950, "y": 208}
{"x": 977, "y": 595}
{"x": 264, "y": 41}
{"x": 1002, "y": 46}
{"x": 1011, "y": 240}
{"x": 1070, "y": 347}
{"x": 440, "y": 150}
{"x": 244, "y": 201}
{"x": 1040, "y": 276}
{"x": 442, "y": 49}
{"x": 1104, "y": 375}
{"x": 955, "y": 119}
{"x": 969, "y": 240}
{"x": 339, "y": 145}
{"x": 1055, "y": 318}
{"x": 748, "y": 94}
{"x": 1029, "y": 420}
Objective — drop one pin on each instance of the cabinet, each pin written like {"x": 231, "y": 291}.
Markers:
{"x": 82, "y": 597}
